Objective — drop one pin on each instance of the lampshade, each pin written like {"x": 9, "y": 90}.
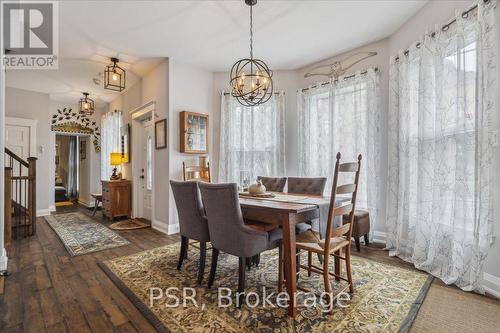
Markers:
{"x": 115, "y": 159}
{"x": 86, "y": 105}
{"x": 124, "y": 157}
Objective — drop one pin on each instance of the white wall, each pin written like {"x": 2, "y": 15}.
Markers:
{"x": 33, "y": 105}
{"x": 38, "y": 106}
{"x": 190, "y": 90}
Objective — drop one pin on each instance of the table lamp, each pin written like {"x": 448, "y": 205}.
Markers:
{"x": 115, "y": 160}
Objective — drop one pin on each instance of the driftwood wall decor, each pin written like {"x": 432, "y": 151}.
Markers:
{"x": 67, "y": 121}
{"x": 340, "y": 67}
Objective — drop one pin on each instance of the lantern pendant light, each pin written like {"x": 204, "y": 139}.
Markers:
{"x": 86, "y": 105}
{"x": 251, "y": 79}
{"x": 114, "y": 76}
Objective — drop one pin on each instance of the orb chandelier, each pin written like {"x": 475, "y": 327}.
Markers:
{"x": 86, "y": 105}
{"x": 251, "y": 79}
{"x": 114, "y": 76}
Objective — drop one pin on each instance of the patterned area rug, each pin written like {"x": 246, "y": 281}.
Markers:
{"x": 130, "y": 224}
{"x": 386, "y": 298}
{"x": 81, "y": 235}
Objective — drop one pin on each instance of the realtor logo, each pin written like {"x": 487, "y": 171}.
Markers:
{"x": 30, "y": 34}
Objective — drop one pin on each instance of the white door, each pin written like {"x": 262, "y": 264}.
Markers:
{"x": 147, "y": 169}
{"x": 17, "y": 139}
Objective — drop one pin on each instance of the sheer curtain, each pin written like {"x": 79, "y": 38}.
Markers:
{"x": 252, "y": 139}
{"x": 439, "y": 189}
{"x": 343, "y": 116}
{"x": 111, "y": 123}
{"x": 73, "y": 168}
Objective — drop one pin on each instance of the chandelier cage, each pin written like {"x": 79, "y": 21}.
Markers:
{"x": 86, "y": 105}
{"x": 114, "y": 76}
{"x": 251, "y": 79}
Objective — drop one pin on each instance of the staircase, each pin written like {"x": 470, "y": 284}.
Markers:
{"x": 20, "y": 197}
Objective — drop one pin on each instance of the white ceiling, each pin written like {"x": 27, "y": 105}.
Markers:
{"x": 214, "y": 34}
{"x": 206, "y": 34}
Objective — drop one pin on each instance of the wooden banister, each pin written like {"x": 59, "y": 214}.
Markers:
{"x": 17, "y": 158}
{"x": 7, "y": 228}
{"x": 32, "y": 193}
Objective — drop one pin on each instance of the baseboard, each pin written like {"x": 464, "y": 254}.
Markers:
{"x": 44, "y": 212}
{"x": 159, "y": 226}
{"x": 3, "y": 260}
{"x": 379, "y": 237}
{"x": 52, "y": 208}
{"x": 491, "y": 285}
{"x": 173, "y": 229}
{"x": 88, "y": 204}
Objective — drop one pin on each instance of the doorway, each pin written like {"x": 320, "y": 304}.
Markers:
{"x": 67, "y": 170}
{"x": 142, "y": 162}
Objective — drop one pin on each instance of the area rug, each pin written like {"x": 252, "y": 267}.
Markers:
{"x": 81, "y": 235}
{"x": 386, "y": 298}
{"x": 64, "y": 203}
{"x": 130, "y": 224}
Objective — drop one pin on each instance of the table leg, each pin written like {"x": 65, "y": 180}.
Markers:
{"x": 289, "y": 252}
{"x": 95, "y": 207}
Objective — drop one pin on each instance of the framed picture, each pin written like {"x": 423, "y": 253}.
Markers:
{"x": 161, "y": 134}
{"x": 83, "y": 149}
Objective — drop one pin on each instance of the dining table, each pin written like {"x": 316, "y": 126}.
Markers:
{"x": 286, "y": 210}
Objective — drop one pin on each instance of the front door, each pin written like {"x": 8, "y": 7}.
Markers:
{"x": 147, "y": 169}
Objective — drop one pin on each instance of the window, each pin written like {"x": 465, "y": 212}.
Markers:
{"x": 252, "y": 140}
{"x": 149, "y": 169}
{"x": 342, "y": 117}
{"x": 111, "y": 123}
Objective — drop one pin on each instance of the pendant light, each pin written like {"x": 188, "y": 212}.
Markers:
{"x": 251, "y": 79}
{"x": 114, "y": 76}
{"x": 86, "y": 105}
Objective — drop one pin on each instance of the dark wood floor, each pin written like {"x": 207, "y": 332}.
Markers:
{"x": 49, "y": 291}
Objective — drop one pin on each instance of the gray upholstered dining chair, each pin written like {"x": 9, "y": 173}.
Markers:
{"x": 306, "y": 185}
{"x": 228, "y": 232}
{"x": 273, "y": 184}
{"x": 192, "y": 221}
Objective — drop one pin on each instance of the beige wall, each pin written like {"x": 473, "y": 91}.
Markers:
{"x": 38, "y": 106}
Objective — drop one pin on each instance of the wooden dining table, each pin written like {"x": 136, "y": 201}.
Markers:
{"x": 287, "y": 214}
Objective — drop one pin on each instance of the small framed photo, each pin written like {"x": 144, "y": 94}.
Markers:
{"x": 161, "y": 134}
{"x": 83, "y": 150}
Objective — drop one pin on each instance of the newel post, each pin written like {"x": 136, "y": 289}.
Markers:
{"x": 7, "y": 227}
{"x": 32, "y": 192}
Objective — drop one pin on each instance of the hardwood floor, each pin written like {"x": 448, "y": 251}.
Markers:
{"x": 49, "y": 291}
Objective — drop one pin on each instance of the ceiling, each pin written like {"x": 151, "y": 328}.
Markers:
{"x": 214, "y": 34}
{"x": 206, "y": 34}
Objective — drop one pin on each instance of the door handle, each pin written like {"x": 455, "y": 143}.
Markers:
{"x": 141, "y": 176}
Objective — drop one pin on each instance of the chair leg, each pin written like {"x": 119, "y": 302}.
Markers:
{"x": 338, "y": 267}
{"x": 358, "y": 246}
{"x": 297, "y": 262}
{"x": 367, "y": 241}
{"x": 309, "y": 263}
{"x": 320, "y": 258}
{"x": 248, "y": 263}
{"x": 213, "y": 267}
{"x": 348, "y": 269}
{"x": 280, "y": 268}
{"x": 241, "y": 280}
{"x": 257, "y": 260}
{"x": 203, "y": 256}
{"x": 184, "y": 247}
{"x": 326, "y": 277}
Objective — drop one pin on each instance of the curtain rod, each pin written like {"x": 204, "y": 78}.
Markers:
{"x": 328, "y": 82}
{"x": 444, "y": 27}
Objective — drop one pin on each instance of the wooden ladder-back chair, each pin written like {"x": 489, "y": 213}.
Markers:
{"x": 202, "y": 173}
{"x": 338, "y": 239}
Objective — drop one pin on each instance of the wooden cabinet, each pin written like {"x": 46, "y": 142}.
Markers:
{"x": 116, "y": 198}
{"x": 193, "y": 131}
